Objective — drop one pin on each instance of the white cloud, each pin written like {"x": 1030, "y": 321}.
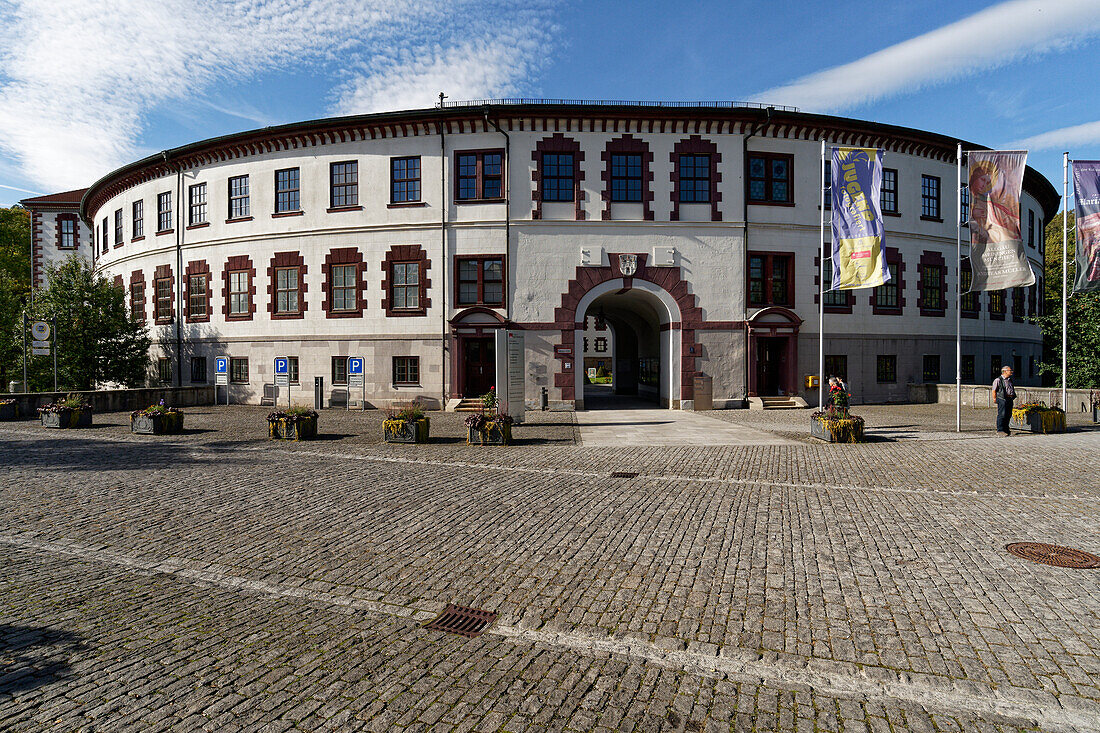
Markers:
{"x": 989, "y": 39}
{"x": 78, "y": 78}
{"x": 1062, "y": 139}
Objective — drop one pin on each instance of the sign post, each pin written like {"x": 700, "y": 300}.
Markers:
{"x": 282, "y": 378}
{"x": 221, "y": 376}
{"x": 356, "y": 379}
{"x": 511, "y": 375}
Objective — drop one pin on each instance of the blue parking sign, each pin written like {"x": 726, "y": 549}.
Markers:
{"x": 355, "y": 365}
{"x": 221, "y": 365}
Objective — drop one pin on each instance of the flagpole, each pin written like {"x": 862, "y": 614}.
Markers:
{"x": 1065, "y": 264}
{"x": 821, "y": 295}
{"x": 958, "y": 288}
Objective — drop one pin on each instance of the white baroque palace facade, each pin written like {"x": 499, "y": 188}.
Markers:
{"x": 410, "y": 238}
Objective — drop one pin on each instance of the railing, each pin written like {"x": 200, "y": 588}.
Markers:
{"x": 617, "y": 103}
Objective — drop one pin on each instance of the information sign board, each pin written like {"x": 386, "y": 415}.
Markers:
{"x": 355, "y": 371}
{"x": 282, "y": 371}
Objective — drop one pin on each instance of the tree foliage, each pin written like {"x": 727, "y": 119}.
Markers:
{"x": 97, "y": 341}
{"x": 15, "y": 285}
{"x": 1082, "y": 316}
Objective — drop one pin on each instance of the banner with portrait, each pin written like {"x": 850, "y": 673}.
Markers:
{"x": 1086, "y": 188}
{"x": 997, "y": 256}
{"x": 859, "y": 260}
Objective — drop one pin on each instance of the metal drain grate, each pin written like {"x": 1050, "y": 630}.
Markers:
{"x": 462, "y": 620}
{"x": 1062, "y": 557}
{"x": 624, "y": 474}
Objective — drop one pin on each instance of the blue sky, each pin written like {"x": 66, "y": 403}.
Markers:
{"x": 86, "y": 87}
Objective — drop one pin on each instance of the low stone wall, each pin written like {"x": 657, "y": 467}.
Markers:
{"x": 118, "y": 400}
{"x": 978, "y": 395}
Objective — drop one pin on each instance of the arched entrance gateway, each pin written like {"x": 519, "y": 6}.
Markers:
{"x": 653, "y": 317}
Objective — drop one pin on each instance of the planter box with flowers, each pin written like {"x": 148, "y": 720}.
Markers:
{"x": 157, "y": 420}
{"x": 835, "y": 424}
{"x": 1036, "y": 417}
{"x": 406, "y": 424}
{"x": 71, "y": 412}
{"x": 9, "y": 410}
{"x": 490, "y": 426}
{"x": 293, "y": 423}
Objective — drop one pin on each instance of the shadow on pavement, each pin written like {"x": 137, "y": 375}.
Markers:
{"x": 32, "y": 657}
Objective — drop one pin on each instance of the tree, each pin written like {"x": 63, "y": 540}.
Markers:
{"x": 1082, "y": 317}
{"x": 97, "y": 340}
{"x": 15, "y": 286}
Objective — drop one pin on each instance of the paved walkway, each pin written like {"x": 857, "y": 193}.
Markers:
{"x": 658, "y": 427}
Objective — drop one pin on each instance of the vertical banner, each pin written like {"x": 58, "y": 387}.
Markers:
{"x": 858, "y": 231}
{"x": 997, "y": 256}
{"x": 1086, "y": 188}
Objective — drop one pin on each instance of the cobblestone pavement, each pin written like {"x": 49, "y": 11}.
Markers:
{"x": 216, "y": 581}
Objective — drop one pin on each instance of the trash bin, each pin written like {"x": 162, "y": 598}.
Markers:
{"x": 704, "y": 394}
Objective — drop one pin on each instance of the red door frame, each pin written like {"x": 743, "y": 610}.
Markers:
{"x": 788, "y": 380}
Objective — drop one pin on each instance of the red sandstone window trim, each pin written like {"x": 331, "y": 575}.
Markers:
{"x": 344, "y": 257}
{"x": 404, "y": 254}
{"x": 767, "y": 279}
{"x": 768, "y": 178}
{"x": 478, "y": 178}
{"x": 480, "y": 280}
{"x": 558, "y": 144}
{"x": 696, "y": 145}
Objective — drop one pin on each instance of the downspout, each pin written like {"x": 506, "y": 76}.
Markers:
{"x": 443, "y": 256}
{"x": 179, "y": 271}
{"x": 507, "y": 212}
{"x": 745, "y": 222}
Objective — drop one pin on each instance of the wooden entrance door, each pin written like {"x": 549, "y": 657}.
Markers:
{"x": 771, "y": 364}
{"x": 479, "y": 366}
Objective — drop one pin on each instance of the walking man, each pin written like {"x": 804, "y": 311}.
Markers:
{"x": 1005, "y": 393}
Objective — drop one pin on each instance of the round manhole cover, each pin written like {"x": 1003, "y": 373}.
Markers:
{"x": 1062, "y": 557}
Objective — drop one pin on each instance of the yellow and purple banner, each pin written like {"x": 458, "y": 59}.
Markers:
{"x": 1086, "y": 189}
{"x": 858, "y": 231}
{"x": 997, "y": 256}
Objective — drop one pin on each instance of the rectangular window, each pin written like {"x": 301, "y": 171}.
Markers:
{"x": 557, "y": 177}
{"x": 932, "y": 368}
{"x": 239, "y": 207}
{"x": 164, "y": 212}
{"x": 344, "y": 182}
{"x": 406, "y": 370}
{"x": 198, "y": 369}
{"x": 139, "y": 219}
{"x": 601, "y": 344}
{"x": 833, "y": 298}
{"x": 1018, "y": 304}
{"x": 480, "y": 175}
{"x": 964, "y": 208}
{"x": 239, "y": 295}
{"x": 1018, "y": 365}
{"x": 68, "y": 233}
{"x": 287, "y": 191}
{"x": 1031, "y": 366}
{"x": 286, "y": 290}
{"x": 626, "y": 177}
{"x": 695, "y": 179}
{"x": 196, "y": 296}
{"x": 196, "y": 204}
{"x": 889, "y": 195}
{"x": 932, "y": 287}
{"x": 930, "y": 197}
{"x": 163, "y": 309}
{"x": 105, "y": 235}
{"x": 888, "y": 295}
{"x": 995, "y": 365}
{"x": 836, "y": 366}
{"x": 770, "y": 279}
{"x": 339, "y": 370}
{"x": 405, "y": 180}
{"x": 886, "y": 368}
{"x": 292, "y": 369}
{"x": 137, "y": 301}
{"x": 343, "y": 288}
{"x": 969, "y": 300}
{"x": 118, "y": 227}
{"x": 828, "y": 184}
{"x": 238, "y": 370}
{"x": 1030, "y": 228}
{"x": 968, "y": 368}
{"x": 405, "y": 291}
{"x": 997, "y": 301}
{"x": 770, "y": 178}
{"x": 164, "y": 369}
{"x": 480, "y": 281}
